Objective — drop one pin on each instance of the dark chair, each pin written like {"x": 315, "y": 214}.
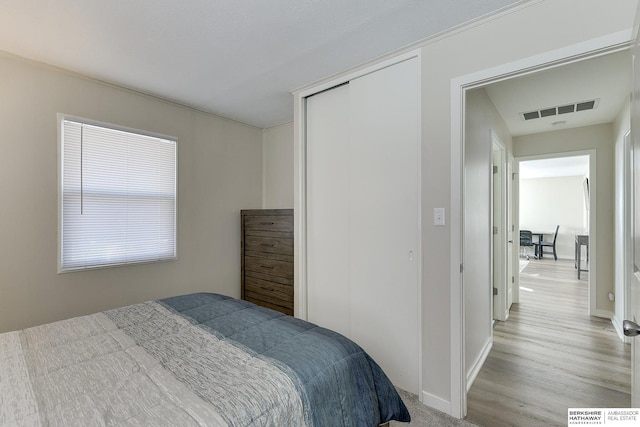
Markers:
{"x": 543, "y": 244}
{"x": 526, "y": 240}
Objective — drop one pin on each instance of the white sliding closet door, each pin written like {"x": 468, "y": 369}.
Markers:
{"x": 328, "y": 209}
{"x": 384, "y": 218}
{"x": 363, "y": 215}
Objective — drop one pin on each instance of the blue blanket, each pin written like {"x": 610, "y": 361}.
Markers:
{"x": 339, "y": 383}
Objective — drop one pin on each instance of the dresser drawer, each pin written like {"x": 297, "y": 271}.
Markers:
{"x": 271, "y": 245}
{"x": 269, "y": 255}
{"x": 269, "y": 223}
{"x": 266, "y": 277}
{"x": 281, "y": 295}
{"x": 269, "y": 266}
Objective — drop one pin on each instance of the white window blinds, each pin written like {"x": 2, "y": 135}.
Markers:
{"x": 118, "y": 197}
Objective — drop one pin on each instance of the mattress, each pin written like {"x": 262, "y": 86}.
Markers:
{"x": 192, "y": 360}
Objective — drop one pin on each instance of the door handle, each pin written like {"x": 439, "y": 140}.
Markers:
{"x": 631, "y": 329}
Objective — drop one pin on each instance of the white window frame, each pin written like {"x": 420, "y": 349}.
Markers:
{"x": 99, "y": 265}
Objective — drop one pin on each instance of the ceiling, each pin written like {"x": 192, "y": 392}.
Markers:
{"x": 606, "y": 79}
{"x": 236, "y": 59}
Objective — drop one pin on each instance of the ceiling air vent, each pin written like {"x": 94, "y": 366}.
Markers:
{"x": 567, "y": 109}
{"x": 548, "y": 112}
{"x": 582, "y": 106}
{"x": 562, "y": 109}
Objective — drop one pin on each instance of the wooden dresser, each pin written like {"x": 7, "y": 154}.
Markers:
{"x": 267, "y": 258}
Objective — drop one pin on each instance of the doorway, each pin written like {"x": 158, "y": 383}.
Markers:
{"x": 558, "y": 190}
{"x": 460, "y": 88}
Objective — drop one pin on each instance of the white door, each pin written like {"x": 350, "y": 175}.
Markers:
{"x": 634, "y": 303}
{"x": 496, "y": 217}
{"x": 363, "y": 255}
{"x": 327, "y": 209}
{"x": 384, "y": 218}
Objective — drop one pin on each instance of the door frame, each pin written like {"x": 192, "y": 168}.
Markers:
{"x": 624, "y": 270}
{"x": 634, "y": 282}
{"x": 515, "y": 206}
{"x": 513, "y": 255}
{"x": 585, "y": 50}
{"x": 499, "y": 252}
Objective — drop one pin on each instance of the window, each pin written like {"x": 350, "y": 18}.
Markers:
{"x": 118, "y": 196}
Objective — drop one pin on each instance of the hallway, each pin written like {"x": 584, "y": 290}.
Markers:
{"x": 550, "y": 355}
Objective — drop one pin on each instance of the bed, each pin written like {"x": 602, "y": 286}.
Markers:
{"x": 193, "y": 360}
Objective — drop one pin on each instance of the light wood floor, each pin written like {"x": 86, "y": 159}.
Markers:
{"x": 550, "y": 355}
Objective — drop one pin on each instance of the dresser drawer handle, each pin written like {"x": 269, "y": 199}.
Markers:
{"x": 267, "y": 223}
{"x": 270, "y": 245}
{"x": 270, "y": 267}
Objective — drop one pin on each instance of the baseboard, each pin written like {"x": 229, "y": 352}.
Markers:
{"x": 605, "y": 314}
{"x": 477, "y": 365}
{"x": 617, "y": 325}
{"x": 436, "y": 402}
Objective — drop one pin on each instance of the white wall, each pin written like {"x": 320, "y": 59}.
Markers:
{"x": 219, "y": 173}
{"x": 547, "y": 202}
{"x": 505, "y": 39}
{"x": 278, "y": 167}
{"x": 481, "y": 118}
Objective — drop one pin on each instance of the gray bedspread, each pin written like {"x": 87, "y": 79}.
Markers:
{"x": 193, "y": 360}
